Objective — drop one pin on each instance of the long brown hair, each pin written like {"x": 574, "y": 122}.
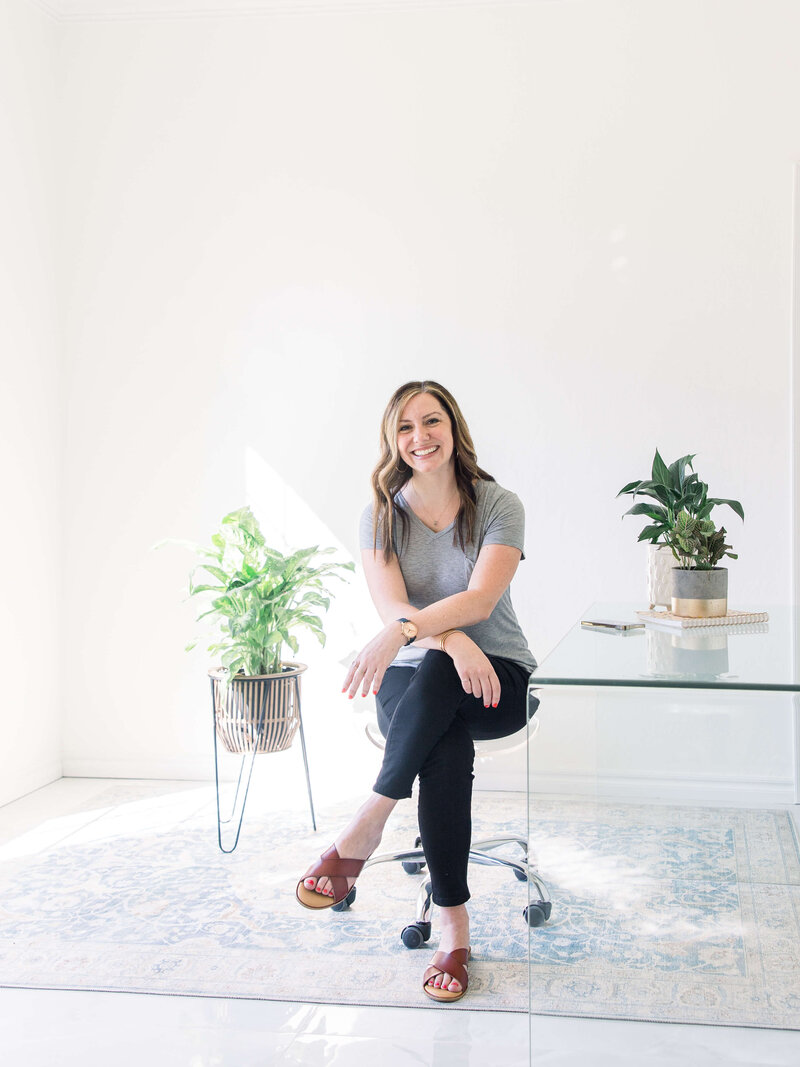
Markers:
{"x": 391, "y": 471}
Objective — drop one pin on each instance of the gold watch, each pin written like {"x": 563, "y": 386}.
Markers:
{"x": 408, "y": 630}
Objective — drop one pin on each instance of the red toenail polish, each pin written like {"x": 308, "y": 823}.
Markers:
{"x": 494, "y": 705}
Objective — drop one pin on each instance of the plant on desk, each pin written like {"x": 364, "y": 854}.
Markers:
{"x": 681, "y": 524}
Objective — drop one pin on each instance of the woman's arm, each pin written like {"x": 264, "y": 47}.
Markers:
{"x": 494, "y": 569}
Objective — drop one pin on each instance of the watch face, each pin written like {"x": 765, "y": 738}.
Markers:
{"x": 409, "y": 630}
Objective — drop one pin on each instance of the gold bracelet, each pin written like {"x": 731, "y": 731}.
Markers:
{"x": 445, "y": 635}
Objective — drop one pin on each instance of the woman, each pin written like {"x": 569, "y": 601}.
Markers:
{"x": 440, "y": 545}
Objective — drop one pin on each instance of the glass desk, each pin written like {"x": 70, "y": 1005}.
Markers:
{"x": 662, "y": 784}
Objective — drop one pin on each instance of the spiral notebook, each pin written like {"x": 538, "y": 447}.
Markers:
{"x": 678, "y": 622}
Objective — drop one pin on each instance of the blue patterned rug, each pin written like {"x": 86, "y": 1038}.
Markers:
{"x": 660, "y": 913}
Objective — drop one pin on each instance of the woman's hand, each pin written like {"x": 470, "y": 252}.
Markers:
{"x": 474, "y": 669}
{"x": 369, "y": 666}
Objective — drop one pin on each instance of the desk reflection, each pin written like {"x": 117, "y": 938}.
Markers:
{"x": 702, "y": 654}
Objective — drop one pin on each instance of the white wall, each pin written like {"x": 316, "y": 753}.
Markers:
{"x": 30, "y": 427}
{"x": 575, "y": 215}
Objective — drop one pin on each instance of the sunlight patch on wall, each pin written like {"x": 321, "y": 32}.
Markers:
{"x": 289, "y": 523}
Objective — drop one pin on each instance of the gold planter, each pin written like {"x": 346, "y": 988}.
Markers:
{"x": 700, "y": 594}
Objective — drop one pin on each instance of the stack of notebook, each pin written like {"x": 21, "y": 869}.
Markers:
{"x": 679, "y": 622}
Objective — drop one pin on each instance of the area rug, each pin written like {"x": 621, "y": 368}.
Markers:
{"x": 659, "y": 913}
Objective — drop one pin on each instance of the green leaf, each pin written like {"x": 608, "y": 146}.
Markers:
{"x": 651, "y": 533}
{"x": 216, "y": 572}
{"x": 648, "y": 509}
{"x": 737, "y": 507}
{"x": 245, "y": 523}
{"x": 178, "y": 543}
{"x": 660, "y": 474}
{"x": 677, "y": 470}
{"x": 631, "y": 487}
{"x": 316, "y": 599}
{"x": 662, "y": 493}
{"x": 205, "y": 589}
{"x": 303, "y": 553}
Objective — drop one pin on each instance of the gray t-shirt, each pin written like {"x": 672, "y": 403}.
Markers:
{"x": 434, "y": 568}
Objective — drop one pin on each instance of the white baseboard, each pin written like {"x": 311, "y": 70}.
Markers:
{"x": 178, "y": 769}
{"x": 678, "y": 789}
{"x": 14, "y": 788}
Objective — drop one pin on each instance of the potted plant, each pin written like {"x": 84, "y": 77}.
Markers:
{"x": 259, "y": 598}
{"x": 682, "y": 525}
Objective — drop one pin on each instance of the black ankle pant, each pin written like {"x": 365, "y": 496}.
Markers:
{"x": 429, "y": 723}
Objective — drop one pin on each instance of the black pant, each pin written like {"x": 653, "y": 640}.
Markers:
{"x": 429, "y": 723}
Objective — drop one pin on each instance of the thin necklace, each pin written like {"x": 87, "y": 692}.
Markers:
{"x": 433, "y": 522}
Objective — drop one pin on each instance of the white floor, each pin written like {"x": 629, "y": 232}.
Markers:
{"x": 42, "y": 1028}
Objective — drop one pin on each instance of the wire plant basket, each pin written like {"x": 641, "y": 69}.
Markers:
{"x": 257, "y": 713}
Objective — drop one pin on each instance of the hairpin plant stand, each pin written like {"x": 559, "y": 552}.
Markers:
{"x": 253, "y": 716}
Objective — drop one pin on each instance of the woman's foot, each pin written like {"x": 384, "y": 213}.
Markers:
{"x": 454, "y": 935}
{"x": 358, "y": 840}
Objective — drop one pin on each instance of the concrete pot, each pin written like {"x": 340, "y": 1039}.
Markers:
{"x": 700, "y": 594}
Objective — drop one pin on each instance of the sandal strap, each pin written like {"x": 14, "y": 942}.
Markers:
{"x": 332, "y": 865}
{"x": 449, "y": 963}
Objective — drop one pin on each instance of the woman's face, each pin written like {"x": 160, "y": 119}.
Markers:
{"x": 425, "y": 434}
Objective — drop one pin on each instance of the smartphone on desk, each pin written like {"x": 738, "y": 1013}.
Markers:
{"x": 611, "y": 626}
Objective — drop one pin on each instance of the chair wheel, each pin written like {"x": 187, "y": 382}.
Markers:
{"x": 344, "y": 905}
{"x": 416, "y": 934}
{"x": 521, "y": 876}
{"x": 412, "y": 866}
{"x": 537, "y": 914}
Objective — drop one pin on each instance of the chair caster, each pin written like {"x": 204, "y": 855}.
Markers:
{"x": 416, "y": 934}
{"x": 413, "y": 867}
{"x": 344, "y": 905}
{"x": 538, "y": 913}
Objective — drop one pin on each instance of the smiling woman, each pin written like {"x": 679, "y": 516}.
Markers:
{"x": 426, "y": 453}
{"x": 440, "y": 545}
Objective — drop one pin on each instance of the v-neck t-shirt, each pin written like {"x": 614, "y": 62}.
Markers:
{"x": 434, "y": 566}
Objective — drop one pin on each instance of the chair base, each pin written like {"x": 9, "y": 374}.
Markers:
{"x": 413, "y": 861}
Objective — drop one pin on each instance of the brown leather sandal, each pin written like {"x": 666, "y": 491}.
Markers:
{"x": 329, "y": 865}
{"x": 448, "y": 963}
